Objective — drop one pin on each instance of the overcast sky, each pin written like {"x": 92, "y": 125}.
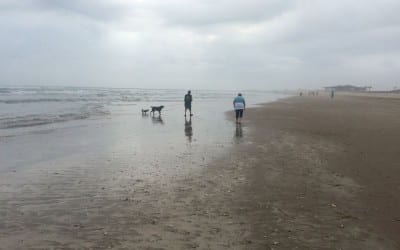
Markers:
{"x": 212, "y": 44}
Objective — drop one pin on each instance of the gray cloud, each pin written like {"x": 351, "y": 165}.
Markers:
{"x": 211, "y": 13}
{"x": 200, "y": 44}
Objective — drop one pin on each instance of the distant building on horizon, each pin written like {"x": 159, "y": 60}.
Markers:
{"x": 348, "y": 88}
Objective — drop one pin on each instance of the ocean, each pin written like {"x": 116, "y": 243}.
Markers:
{"x": 32, "y": 107}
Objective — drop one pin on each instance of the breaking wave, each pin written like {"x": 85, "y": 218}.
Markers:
{"x": 43, "y": 119}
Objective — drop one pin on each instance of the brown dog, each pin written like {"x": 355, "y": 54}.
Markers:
{"x": 156, "y": 108}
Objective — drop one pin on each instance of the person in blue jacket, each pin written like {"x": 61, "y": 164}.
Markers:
{"x": 239, "y": 104}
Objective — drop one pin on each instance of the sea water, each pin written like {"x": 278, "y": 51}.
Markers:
{"x": 40, "y": 124}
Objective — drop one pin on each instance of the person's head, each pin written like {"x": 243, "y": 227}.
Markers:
{"x": 240, "y": 94}
{"x": 189, "y": 91}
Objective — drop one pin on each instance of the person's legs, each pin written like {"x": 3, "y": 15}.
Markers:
{"x": 190, "y": 109}
{"x": 188, "y": 106}
{"x": 237, "y": 115}
{"x": 240, "y": 115}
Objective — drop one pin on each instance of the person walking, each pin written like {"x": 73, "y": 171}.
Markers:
{"x": 239, "y": 104}
{"x": 188, "y": 103}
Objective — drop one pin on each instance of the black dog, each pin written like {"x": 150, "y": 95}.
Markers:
{"x": 158, "y": 108}
{"x": 144, "y": 111}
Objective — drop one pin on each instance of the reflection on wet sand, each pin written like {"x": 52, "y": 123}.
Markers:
{"x": 157, "y": 120}
{"x": 238, "y": 132}
{"x": 189, "y": 128}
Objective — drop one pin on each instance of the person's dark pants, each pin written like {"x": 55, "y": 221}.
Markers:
{"x": 239, "y": 113}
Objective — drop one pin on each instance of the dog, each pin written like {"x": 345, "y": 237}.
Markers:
{"x": 144, "y": 111}
{"x": 156, "y": 108}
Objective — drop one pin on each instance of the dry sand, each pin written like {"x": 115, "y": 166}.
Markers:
{"x": 305, "y": 173}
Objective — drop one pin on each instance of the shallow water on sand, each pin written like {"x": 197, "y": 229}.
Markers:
{"x": 125, "y": 132}
{"x": 60, "y": 177}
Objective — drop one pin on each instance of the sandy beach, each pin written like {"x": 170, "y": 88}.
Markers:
{"x": 323, "y": 174}
{"x": 299, "y": 173}
{"x": 118, "y": 125}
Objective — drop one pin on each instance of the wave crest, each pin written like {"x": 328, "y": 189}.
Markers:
{"x": 43, "y": 119}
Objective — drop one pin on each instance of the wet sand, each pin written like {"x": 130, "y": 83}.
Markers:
{"x": 123, "y": 181}
{"x": 323, "y": 174}
{"x": 300, "y": 173}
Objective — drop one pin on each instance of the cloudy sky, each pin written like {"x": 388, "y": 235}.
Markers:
{"x": 212, "y": 44}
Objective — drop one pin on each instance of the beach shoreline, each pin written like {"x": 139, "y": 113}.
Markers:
{"x": 298, "y": 174}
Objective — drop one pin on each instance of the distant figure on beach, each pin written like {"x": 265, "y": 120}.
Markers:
{"x": 188, "y": 103}
{"x": 332, "y": 94}
{"x": 239, "y": 105}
